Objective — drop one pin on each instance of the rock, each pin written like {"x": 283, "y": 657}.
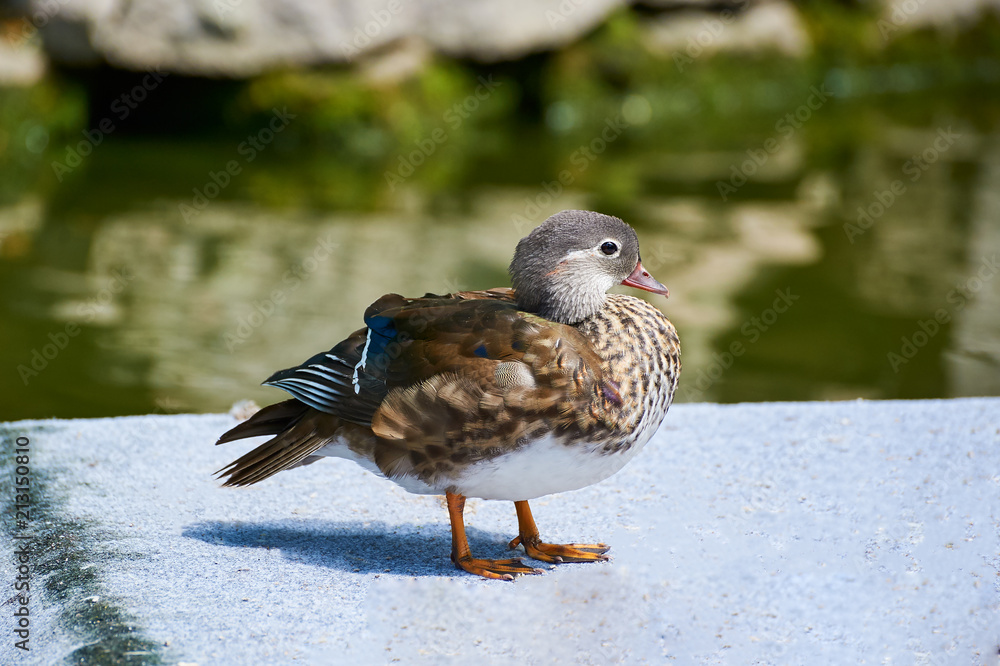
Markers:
{"x": 22, "y": 63}
{"x": 692, "y": 33}
{"x": 240, "y": 38}
{"x": 903, "y": 16}
{"x": 688, "y": 4}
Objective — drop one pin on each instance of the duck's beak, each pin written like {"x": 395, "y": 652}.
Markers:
{"x": 641, "y": 279}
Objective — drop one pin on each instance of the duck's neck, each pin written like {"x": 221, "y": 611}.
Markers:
{"x": 628, "y": 334}
{"x": 563, "y": 304}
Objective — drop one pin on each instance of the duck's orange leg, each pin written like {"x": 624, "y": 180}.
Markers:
{"x": 535, "y": 548}
{"x": 462, "y": 556}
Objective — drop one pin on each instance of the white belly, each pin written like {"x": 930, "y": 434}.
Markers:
{"x": 541, "y": 468}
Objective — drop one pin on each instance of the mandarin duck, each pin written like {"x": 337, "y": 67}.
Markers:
{"x": 504, "y": 394}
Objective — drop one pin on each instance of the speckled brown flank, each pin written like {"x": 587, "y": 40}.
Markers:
{"x": 640, "y": 350}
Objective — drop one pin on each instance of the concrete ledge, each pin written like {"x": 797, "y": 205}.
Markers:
{"x": 852, "y": 532}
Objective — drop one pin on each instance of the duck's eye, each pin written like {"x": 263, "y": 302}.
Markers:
{"x": 609, "y": 248}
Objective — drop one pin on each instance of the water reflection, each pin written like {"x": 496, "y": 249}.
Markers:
{"x": 786, "y": 295}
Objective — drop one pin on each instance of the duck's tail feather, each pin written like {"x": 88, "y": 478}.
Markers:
{"x": 295, "y": 442}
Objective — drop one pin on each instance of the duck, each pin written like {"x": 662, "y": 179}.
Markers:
{"x": 510, "y": 393}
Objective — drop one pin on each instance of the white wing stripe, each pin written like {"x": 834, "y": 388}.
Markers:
{"x": 361, "y": 364}
{"x": 312, "y": 398}
{"x": 305, "y": 388}
{"x": 319, "y": 371}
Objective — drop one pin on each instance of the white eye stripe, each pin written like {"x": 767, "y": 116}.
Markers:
{"x": 594, "y": 251}
{"x": 576, "y": 254}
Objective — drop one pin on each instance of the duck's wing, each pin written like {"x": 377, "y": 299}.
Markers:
{"x": 336, "y": 393}
{"x": 457, "y": 377}
{"x": 351, "y": 379}
{"x": 470, "y": 379}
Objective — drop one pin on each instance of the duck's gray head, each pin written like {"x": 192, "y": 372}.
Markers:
{"x": 563, "y": 269}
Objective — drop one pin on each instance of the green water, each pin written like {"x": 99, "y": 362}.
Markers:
{"x": 126, "y": 287}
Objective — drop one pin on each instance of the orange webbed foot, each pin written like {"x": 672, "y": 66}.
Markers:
{"x": 556, "y": 553}
{"x": 462, "y": 556}
{"x": 496, "y": 569}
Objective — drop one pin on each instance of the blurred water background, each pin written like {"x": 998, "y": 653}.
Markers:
{"x": 194, "y": 195}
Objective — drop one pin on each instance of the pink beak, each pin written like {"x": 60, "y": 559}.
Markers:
{"x": 641, "y": 279}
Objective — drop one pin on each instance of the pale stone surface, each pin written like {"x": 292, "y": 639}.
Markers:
{"x": 838, "y": 533}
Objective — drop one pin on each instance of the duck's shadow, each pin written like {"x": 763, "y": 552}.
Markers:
{"x": 353, "y": 546}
